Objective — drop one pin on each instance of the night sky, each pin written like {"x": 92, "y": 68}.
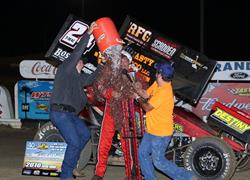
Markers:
{"x": 29, "y": 27}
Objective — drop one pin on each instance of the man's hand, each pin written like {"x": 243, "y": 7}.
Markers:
{"x": 135, "y": 96}
{"x": 103, "y": 59}
{"x": 92, "y": 27}
{"x": 143, "y": 102}
{"x": 139, "y": 90}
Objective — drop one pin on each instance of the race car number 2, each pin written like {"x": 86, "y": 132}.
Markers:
{"x": 73, "y": 35}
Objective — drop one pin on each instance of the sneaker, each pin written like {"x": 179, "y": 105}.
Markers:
{"x": 95, "y": 177}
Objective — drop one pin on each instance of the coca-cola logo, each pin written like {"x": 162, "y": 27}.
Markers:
{"x": 239, "y": 75}
{"x": 41, "y": 68}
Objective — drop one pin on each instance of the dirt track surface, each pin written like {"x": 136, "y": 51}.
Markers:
{"x": 12, "y": 149}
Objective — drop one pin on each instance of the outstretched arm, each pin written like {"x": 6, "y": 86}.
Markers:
{"x": 140, "y": 91}
{"x": 142, "y": 97}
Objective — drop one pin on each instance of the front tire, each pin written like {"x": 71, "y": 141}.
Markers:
{"x": 48, "y": 133}
{"x": 210, "y": 158}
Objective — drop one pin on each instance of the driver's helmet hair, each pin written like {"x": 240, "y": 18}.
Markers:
{"x": 127, "y": 55}
{"x": 128, "y": 52}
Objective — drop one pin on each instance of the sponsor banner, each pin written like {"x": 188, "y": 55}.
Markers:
{"x": 43, "y": 158}
{"x": 37, "y": 69}
{"x": 40, "y": 69}
{"x": 33, "y": 99}
{"x": 230, "y": 120}
{"x": 133, "y": 31}
{"x": 193, "y": 70}
{"x": 232, "y": 71}
{"x": 229, "y": 94}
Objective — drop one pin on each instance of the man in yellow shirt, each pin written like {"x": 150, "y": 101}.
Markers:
{"x": 158, "y": 102}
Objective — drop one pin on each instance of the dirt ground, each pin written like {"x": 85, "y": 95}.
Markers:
{"x": 12, "y": 149}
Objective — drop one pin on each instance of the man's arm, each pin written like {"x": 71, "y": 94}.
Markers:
{"x": 75, "y": 56}
{"x": 142, "y": 97}
{"x": 144, "y": 104}
{"x": 139, "y": 90}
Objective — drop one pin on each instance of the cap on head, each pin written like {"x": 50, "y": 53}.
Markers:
{"x": 127, "y": 54}
{"x": 165, "y": 69}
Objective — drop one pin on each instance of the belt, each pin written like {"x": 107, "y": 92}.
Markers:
{"x": 62, "y": 107}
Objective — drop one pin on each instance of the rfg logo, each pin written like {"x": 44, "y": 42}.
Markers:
{"x": 73, "y": 35}
{"x": 139, "y": 32}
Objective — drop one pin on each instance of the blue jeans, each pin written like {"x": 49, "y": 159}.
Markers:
{"x": 75, "y": 133}
{"x": 152, "y": 153}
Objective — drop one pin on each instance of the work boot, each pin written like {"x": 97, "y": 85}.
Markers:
{"x": 95, "y": 177}
{"x": 78, "y": 173}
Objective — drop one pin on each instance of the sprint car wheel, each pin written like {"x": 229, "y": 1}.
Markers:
{"x": 49, "y": 133}
{"x": 210, "y": 158}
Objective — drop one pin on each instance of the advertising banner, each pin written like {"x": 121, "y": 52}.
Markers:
{"x": 33, "y": 99}
{"x": 37, "y": 69}
{"x": 229, "y": 94}
{"x": 43, "y": 158}
{"x": 193, "y": 70}
{"x": 135, "y": 32}
{"x": 232, "y": 71}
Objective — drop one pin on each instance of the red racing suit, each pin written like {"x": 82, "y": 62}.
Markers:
{"x": 105, "y": 141}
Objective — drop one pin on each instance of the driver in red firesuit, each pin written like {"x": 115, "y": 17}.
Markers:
{"x": 108, "y": 128}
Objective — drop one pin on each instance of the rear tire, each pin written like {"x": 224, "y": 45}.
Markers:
{"x": 210, "y": 158}
{"x": 49, "y": 133}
